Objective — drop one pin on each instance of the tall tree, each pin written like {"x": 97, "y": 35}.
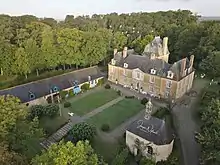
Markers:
{"x": 68, "y": 153}
{"x": 20, "y": 64}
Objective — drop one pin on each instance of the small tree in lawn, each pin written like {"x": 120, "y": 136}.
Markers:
{"x": 82, "y": 131}
{"x": 36, "y": 111}
{"x": 51, "y": 110}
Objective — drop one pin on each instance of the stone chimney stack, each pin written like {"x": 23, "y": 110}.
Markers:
{"x": 165, "y": 45}
{"x": 125, "y": 52}
{"x": 191, "y": 61}
{"x": 183, "y": 67}
{"x": 115, "y": 52}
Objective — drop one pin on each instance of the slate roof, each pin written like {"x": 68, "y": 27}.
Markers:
{"x": 162, "y": 134}
{"x": 145, "y": 63}
{"x": 42, "y": 87}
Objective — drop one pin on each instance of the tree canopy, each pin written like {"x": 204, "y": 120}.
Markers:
{"x": 68, "y": 153}
{"x": 30, "y": 44}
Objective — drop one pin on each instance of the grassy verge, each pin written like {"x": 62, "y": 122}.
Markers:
{"x": 92, "y": 101}
{"x": 117, "y": 114}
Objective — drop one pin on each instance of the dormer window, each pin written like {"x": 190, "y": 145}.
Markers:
{"x": 31, "y": 96}
{"x": 152, "y": 71}
{"x": 113, "y": 62}
{"x": 55, "y": 89}
{"x": 170, "y": 74}
{"x": 125, "y": 65}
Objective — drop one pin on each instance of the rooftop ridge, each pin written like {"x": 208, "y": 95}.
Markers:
{"x": 49, "y": 78}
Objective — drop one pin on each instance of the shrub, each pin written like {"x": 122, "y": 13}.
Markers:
{"x": 105, "y": 127}
{"x": 63, "y": 94}
{"x": 119, "y": 92}
{"x": 36, "y": 111}
{"x": 144, "y": 101}
{"x": 85, "y": 87}
{"x": 67, "y": 104}
{"x": 51, "y": 110}
{"x": 82, "y": 131}
{"x": 71, "y": 94}
{"x": 107, "y": 86}
{"x": 100, "y": 82}
{"x": 121, "y": 158}
{"x": 129, "y": 97}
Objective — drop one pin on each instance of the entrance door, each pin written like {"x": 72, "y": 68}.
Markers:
{"x": 138, "y": 85}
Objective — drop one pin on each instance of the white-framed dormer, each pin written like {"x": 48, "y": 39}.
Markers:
{"x": 170, "y": 74}
{"x": 153, "y": 71}
{"x": 138, "y": 74}
{"x": 125, "y": 65}
{"x": 152, "y": 79}
{"x": 113, "y": 61}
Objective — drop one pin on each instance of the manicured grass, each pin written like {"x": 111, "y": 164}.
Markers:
{"x": 51, "y": 125}
{"x": 106, "y": 149}
{"x": 117, "y": 114}
{"x": 92, "y": 101}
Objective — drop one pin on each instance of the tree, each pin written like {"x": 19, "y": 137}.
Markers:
{"x": 82, "y": 131}
{"x": 119, "y": 40}
{"x": 37, "y": 111}
{"x": 20, "y": 64}
{"x": 146, "y": 161}
{"x": 17, "y": 132}
{"x": 68, "y": 153}
{"x": 121, "y": 158}
{"x": 140, "y": 43}
{"x": 51, "y": 110}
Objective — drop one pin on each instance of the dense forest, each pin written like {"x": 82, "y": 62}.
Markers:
{"x": 30, "y": 45}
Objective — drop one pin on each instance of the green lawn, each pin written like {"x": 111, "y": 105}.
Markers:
{"x": 106, "y": 149}
{"x": 92, "y": 101}
{"x": 117, "y": 114}
{"x": 51, "y": 125}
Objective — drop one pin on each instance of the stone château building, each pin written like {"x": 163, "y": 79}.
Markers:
{"x": 150, "y": 72}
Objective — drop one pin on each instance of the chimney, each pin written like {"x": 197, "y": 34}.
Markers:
{"x": 191, "y": 61}
{"x": 115, "y": 52}
{"x": 125, "y": 52}
{"x": 165, "y": 45}
{"x": 183, "y": 67}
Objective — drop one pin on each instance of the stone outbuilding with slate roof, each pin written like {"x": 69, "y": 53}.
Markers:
{"x": 150, "y": 72}
{"x": 38, "y": 92}
{"x": 151, "y": 136}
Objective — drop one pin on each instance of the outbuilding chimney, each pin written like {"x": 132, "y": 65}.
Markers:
{"x": 183, "y": 67}
{"x": 165, "y": 45}
{"x": 125, "y": 52}
{"x": 115, "y": 52}
{"x": 191, "y": 61}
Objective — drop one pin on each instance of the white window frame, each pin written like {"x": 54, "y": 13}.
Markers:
{"x": 125, "y": 65}
{"x": 170, "y": 74}
{"x": 167, "y": 93}
{"x": 168, "y": 82}
{"x": 152, "y": 79}
{"x": 113, "y": 62}
{"x": 153, "y": 71}
{"x": 151, "y": 89}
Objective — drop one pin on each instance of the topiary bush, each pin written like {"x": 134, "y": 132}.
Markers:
{"x": 51, "y": 110}
{"x": 119, "y": 92}
{"x": 105, "y": 127}
{"x": 144, "y": 101}
{"x": 129, "y": 97}
{"x": 82, "y": 131}
{"x": 107, "y": 86}
{"x": 67, "y": 104}
{"x": 100, "y": 82}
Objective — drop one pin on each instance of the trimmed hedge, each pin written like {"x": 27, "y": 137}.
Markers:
{"x": 67, "y": 104}
{"x": 107, "y": 86}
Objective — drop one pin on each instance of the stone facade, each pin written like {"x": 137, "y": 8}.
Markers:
{"x": 150, "y": 72}
{"x": 160, "y": 152}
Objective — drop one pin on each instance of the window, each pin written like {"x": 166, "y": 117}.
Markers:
{"x": 167, "y": 94}
{"x": 125, "y": 65}
{"x": 55, "y": 89}
{"x": 168, "y": 83}
{"x": 138, "y": 75}
{"x": 170, "y": 74}
{"x": 150, "y": 150}
{"x": 151, "y": 89}
{"x": 113, "y": 62}
{"x": 152, "y": 79}
{"x": 153, "y": 71}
